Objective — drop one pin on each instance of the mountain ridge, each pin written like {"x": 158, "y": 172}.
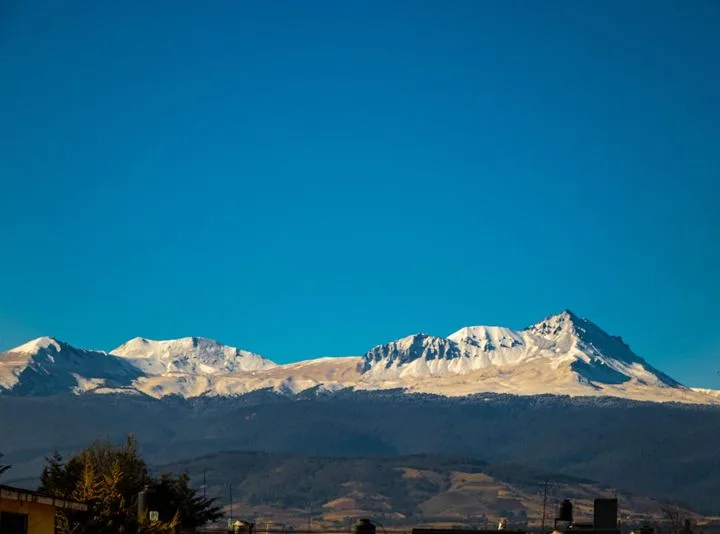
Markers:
{"x": 396, "y": 489}
{"x": 46, "y": 365}
{"x": 189, "y": 355}
{"x": 561, "y": 354}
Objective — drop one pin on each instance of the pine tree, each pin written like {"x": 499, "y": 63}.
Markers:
{"x": 174, "y": 494}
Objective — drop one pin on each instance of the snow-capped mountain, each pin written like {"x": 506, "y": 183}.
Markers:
{"x": 596, "y": 356}
{"x": 562, "y": 354}
{"x": 569, "y": 348}
{"x": 189, "y": 355}
{"x": 46, "y": 366}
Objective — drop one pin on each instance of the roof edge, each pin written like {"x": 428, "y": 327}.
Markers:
{"x": 19, "y": 494}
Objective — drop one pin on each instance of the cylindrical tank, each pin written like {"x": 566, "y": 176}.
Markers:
{"x": 565, "y": 512}
{"x": 363, "y": 526}
{"x": 145, "y": 502}
{"x": 142, "y": 504}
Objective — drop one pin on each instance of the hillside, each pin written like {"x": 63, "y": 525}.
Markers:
{"x": 398, "y": 490}
{"x": 664, "y": 450}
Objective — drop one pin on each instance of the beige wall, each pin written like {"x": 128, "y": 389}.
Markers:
{"x": 41, "y": 517}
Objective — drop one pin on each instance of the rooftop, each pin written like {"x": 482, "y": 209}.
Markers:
{"x": 19, "y": 494}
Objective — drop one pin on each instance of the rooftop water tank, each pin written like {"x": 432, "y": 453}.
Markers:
{"x": 565, "y": 512}
{"x": 605, "y": 514}
{"x": 363, "y": 526}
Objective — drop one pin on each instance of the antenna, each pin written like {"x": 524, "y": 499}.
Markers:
{"x": 231, "y": 502}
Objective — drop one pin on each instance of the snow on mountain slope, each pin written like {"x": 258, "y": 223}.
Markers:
{"x": 563, "y": 350}
{"x": 189, "y": 355}
{"x": 490, "y": 345}
{"x": 420, "y": 354}
{"x": 715, "y": 393}
{"x": 595, "y": 355}
{"x": 534, "y": 377}
{"x": 562, "y": 354}
{"x": 46, "y": 366}
{"x": 325, "y": 373}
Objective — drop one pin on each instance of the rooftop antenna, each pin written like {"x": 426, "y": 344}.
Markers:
{"x": 231, "y": 502}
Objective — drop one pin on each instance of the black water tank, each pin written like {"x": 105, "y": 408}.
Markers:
{"x": 143, "y": 504}
{"x": 363, "y": 526}
{"x": 147, "y": 503}
{"x": 565, "y": 512}
{"x": 605, "y": 514}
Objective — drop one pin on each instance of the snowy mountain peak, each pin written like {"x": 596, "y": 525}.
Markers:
{"x": 47, "y": 366}
{"x": 38, "y": 344}
{"x": 190, "y": 355}
{"x": 562, "y": 350}
{"x": 554, "y": 325}
{"x": 408, "y": 349}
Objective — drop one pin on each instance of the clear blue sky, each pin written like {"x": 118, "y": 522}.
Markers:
{"x": 314, "y": 178}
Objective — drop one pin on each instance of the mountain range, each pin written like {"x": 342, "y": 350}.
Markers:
{"x": 562, "y": 396}
{"x": 562, "y": 354}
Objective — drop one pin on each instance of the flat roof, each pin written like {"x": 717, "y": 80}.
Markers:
{"x": 463, "y": 531}
{"x": 11, "y": 493}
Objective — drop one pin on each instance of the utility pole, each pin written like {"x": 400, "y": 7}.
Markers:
{"x": 542, "y": 525}
{"x": 231, "y": 502}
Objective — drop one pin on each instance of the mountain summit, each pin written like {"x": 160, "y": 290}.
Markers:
{"x": 46, "y": 366}
{"x": 189, "y": 355}
{"x": 561, "y": 348}
{"x": 598, "y": 356}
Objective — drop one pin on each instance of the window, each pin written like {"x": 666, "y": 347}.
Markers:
{"x": 13, "y": 523}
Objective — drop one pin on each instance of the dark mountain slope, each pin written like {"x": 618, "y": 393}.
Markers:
{"x": 665, "y": 450}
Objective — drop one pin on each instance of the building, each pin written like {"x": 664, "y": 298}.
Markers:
{"x": 29, "y": 512}
{"x": 459, "y": 531}
{"x": 605, "y": 519}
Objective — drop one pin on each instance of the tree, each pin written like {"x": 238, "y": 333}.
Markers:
{"x": 174, "y": 495}
{"x": 678, "y": 522}
{"x": 108, "y": 479}
{"x": 3, "y": 468}
{"x": 55, "y": 479}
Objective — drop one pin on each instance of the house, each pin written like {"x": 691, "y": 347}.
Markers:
{"x": 30, "y": 512}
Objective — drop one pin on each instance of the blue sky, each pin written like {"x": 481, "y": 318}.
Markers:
{"x": 313, "y": 178}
